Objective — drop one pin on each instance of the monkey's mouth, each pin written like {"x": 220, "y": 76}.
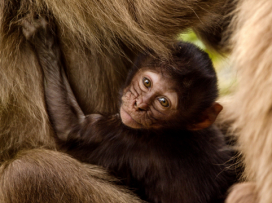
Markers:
{"x": 128, "y": 120}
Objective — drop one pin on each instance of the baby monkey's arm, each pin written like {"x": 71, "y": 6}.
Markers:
{"x": 64, "y": 111}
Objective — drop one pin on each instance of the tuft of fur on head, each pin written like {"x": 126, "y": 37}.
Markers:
{"x": 192, "y": 72}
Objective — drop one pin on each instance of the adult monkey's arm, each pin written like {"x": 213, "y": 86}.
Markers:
{"x": 151, "y": 24}
{"x": 110, "y": 32}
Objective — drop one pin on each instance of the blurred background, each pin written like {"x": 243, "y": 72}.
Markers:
{"x": 226, "y": 75}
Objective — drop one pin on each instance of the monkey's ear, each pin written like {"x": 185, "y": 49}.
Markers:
{"x": 208, "y": 117}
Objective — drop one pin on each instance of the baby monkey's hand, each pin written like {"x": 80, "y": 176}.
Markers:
{"x": 38, "y": 32}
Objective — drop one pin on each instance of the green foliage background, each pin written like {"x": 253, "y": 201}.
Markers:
{"x": 225, "y": 74}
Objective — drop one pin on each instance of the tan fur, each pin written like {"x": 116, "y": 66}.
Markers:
{"x": 46, "y": 176}
{"x": 242, "y": 193}
{"x": 251, "y": 105}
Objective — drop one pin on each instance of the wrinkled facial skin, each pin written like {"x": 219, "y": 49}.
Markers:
{"x": 149, "y": 101}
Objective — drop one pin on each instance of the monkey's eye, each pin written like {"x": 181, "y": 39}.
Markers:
{"x": 164, "y": 102}
{"x": 146, "y": 82}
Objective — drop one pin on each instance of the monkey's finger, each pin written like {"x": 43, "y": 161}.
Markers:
{"x": 26, "y": 33}
{"x": 27, "y": 28}
{"x": 39, "y": 22}
{"x": 27, "y": 25}
{"x": 43, "y": 22}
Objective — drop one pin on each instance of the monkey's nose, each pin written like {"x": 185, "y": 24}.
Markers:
{"x": 141, "y": 106}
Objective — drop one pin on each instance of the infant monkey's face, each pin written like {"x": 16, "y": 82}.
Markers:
{"x": 150, "y": 100}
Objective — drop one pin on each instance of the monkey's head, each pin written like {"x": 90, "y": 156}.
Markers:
{"x": 177, "y": 93}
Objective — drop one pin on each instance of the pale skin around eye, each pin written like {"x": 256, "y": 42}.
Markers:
{"x": 150, "y": 93}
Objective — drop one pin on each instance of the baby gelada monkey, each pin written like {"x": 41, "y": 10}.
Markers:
{"x": 162, "y": 144}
